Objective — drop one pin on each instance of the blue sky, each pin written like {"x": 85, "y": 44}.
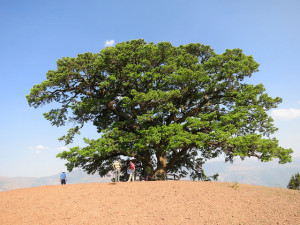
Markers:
{"x": 35, "y": 34}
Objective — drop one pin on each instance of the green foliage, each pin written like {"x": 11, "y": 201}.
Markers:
{"x": 294, "y": 182}
{"x": 194, "y": 176}
{"x": 235, "y": 185}
{"x": 162, "y": 105}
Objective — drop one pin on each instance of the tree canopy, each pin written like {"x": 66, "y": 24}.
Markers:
{"x": 164, "y": 106}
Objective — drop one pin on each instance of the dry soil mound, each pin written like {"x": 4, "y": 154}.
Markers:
{"x": 170, "y": 202}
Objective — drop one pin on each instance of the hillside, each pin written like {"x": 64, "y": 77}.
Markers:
{"x": 168, "y": 202}
{"x": 75, "y": 177}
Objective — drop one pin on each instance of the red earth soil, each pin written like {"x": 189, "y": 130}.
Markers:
{"x": 165, "y": 202}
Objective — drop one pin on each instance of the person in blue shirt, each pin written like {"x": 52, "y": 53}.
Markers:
{"x": 63, "y": 178}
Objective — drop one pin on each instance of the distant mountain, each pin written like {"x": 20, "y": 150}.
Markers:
{"x": 75, "y": 177}
{"x": 248, "y": 171}
{"x": 252, "y": 171}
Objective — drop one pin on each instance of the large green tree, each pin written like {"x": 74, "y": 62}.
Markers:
{"x": 162, "y": 105}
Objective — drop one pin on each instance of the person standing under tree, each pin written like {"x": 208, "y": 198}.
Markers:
{"x": 132, "y": 167}
{"x": 117, "y": 167}
{"x": 63, "y": 178}
{"x": 148, "y": 172}
{"x": 199, "y": 171}
{"x": 128, "y": 173}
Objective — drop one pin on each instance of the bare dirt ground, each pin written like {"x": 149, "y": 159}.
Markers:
{"x": 165, "y": 202}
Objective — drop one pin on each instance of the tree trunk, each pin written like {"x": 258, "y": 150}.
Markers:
{"x": 161, "y": 170}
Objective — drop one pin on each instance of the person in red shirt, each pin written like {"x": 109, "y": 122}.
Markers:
{"x": 132, "y": 167}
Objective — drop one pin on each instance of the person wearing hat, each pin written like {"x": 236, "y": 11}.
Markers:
{"x": 63, "y": 178}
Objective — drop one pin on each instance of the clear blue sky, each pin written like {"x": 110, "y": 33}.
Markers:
{"x": 34, "y": 34}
